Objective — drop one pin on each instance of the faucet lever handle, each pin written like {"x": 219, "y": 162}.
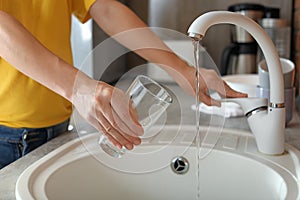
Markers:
{"x": 248, "y": 104}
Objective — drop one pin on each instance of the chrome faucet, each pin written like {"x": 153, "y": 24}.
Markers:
{"x": 267, "y": 122}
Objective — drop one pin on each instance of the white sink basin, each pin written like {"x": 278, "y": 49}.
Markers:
{"x": 230, "y": 169}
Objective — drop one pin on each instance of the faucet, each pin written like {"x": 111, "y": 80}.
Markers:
{"x": 267, "y": 122}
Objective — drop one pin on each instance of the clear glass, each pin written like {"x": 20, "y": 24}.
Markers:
{"x": 150, "y": 101}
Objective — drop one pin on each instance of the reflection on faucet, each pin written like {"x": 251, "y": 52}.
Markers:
{"x": 267, "y": 124}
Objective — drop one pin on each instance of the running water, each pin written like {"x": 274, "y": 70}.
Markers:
{"x": 198, "y": 136}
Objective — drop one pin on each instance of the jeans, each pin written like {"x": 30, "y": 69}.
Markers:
{"x": 17, "y": 142}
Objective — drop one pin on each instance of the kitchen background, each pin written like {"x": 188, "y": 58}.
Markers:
{"x": 178, "y": 15}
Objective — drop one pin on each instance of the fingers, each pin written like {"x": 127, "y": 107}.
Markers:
{"x": 206, "y": 99}
{"x": 226, "y": 91}
{"x": 126, "y": 117}
{"x": 123, "y": 113}
{"x": 211, "y": 80}
{"x": 115, "y": 130}
{"x": 117, "y": 117}
{"x": 120, "y": 119}
{"x": 219, "y": 86}
{"x": 233, "y": 93}
{"x": 95, "y": 122}
{"x": 105, "y": 131}
{"x": 124, "y": 132}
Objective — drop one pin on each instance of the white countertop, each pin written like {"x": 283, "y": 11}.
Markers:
{"x": 10, "y": 174}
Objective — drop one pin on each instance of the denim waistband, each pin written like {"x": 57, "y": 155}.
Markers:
{"x": 17, "y": 134}
{"x": 53, "y": 131}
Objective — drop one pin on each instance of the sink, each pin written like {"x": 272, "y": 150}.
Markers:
{"x": 230, "y": 167}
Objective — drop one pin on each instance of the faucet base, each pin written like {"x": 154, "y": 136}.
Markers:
{"x": 269, "y": 135}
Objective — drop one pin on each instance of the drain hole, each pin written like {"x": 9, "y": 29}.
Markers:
{"x": 180, "y": 165}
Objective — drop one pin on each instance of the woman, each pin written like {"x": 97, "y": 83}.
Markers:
{"x": 39, "y": 83}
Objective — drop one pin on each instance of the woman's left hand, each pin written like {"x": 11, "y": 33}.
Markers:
{"x": 209, "y": 80}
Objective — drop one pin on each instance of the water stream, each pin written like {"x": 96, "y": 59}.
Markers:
{"x": 198, "y": 136}
{"x": 210, "y": 138}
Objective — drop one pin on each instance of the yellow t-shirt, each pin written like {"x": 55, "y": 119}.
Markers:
{"x": 24, "y": 102}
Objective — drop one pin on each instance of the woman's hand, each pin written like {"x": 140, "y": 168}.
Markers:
{"x": 209, "y": 80}
{"x": 108, "y": 109}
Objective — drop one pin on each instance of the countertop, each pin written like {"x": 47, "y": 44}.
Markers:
{"x": 179, "y": 112}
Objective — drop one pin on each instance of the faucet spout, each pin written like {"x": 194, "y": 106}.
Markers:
{"x": 195, "y": 36}
{"x": 267, "y": 126}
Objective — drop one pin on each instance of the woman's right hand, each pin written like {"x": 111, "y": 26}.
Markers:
{"x": 108, "y": 109}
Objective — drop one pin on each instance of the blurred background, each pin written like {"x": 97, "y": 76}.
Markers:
{"x": 233, "y": 51}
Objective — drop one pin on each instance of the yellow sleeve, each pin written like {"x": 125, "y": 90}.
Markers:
{"x": 80, "y": 8}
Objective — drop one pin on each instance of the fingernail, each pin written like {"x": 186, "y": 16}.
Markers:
{"x": 137, "y": 142}
{"x": 129, "y": 146}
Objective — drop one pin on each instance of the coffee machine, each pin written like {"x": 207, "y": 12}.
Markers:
{"x": 278, "y": 30}
{"x": 240, "y": 56}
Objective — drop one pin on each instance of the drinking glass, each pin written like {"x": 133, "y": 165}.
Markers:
{"x": 150, "y": 101}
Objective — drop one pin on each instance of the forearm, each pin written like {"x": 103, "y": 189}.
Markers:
{"x": 24, "y": 52}
{"x": 121, "y": 23}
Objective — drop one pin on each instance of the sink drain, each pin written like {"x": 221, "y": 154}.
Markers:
{"x": 180, "y": 165}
